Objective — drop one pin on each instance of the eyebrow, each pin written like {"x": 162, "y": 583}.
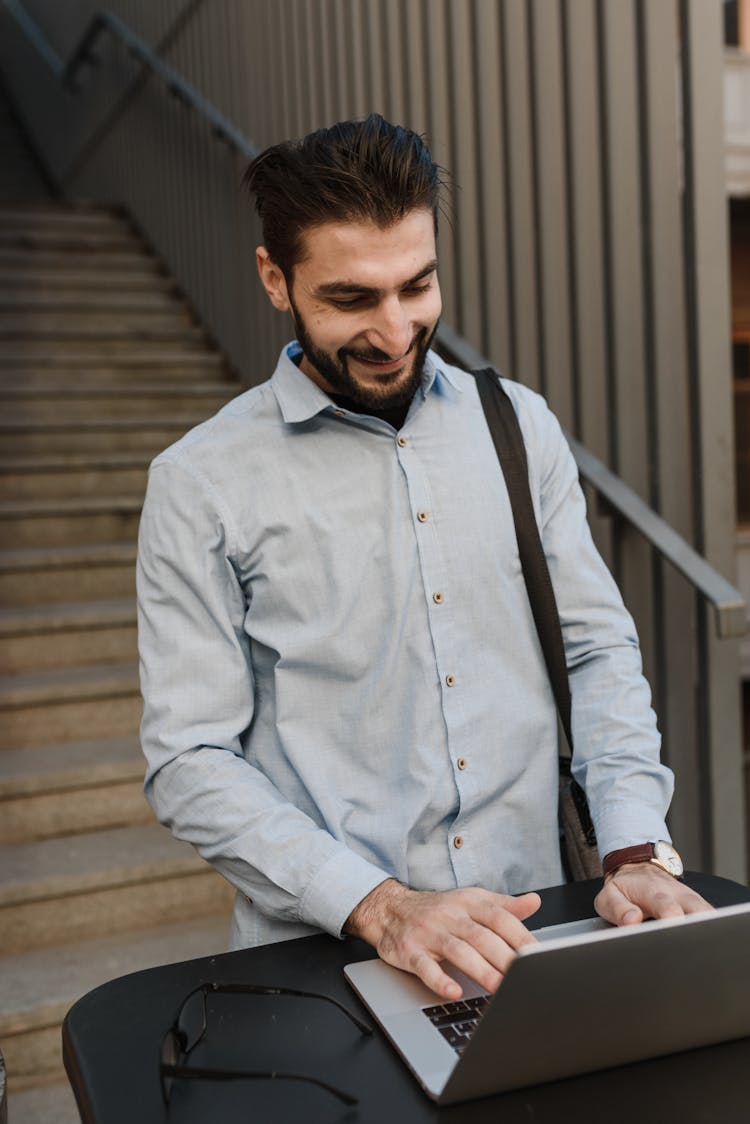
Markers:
{"x": 342, "y": 288}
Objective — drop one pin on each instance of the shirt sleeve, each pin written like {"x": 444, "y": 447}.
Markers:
{"x": 198, "y": 693}
{"x": 617, "y": 744}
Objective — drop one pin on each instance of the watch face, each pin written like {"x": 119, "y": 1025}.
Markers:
{"x": 667, "y": 857}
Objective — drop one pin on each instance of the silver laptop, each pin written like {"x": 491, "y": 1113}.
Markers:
{"x": 586, "y": 997}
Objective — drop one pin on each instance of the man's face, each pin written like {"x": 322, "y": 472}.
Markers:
{"x": 365, "y": 303}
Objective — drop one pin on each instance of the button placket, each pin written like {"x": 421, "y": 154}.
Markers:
{"x": 435, "y": 578}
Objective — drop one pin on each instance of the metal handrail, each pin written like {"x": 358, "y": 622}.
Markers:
{"x": 106, "y": 21}
{"x": 727, "y": 601}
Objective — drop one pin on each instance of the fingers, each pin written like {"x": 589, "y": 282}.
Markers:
{"x": 433, "y": 976}
{"x": 523, "y": 906}
{"x": 615, "y": 907}
{"x": 473, "y": 930}
{"x": 639, "y": 891}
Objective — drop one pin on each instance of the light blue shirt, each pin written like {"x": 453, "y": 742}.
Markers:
{"x": 341, "y": 676}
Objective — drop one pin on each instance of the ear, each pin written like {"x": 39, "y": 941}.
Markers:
{"x": 272, "y": 279}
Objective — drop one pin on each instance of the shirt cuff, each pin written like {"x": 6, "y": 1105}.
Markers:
{"x": 614, "y": 832}
{"x": 340, "y": 885}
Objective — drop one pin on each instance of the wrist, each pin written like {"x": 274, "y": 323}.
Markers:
{"x": 660, "y": 854}
{"x": 369, "y": 918}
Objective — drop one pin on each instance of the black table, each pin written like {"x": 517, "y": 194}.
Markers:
{"x": 112, "y": 1036}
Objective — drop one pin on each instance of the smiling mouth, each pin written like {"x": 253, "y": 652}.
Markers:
{"x": 386, "y": 365}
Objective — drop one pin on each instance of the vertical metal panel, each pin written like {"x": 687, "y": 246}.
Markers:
{"x": 629, "y": 421}
{"x": 548, "y": 102}
{"x": 586, "y": 248}
{"x": 708, "y": 305}
{"x": 666, "y": 363}
{"x": 465, "y": 155}
{"x": 436, "y": 57}
{"x": 377, "y": 99}
{"x": 492, "y": 201}
{"x": 520, "y": 181}
{"x": 358, "y": 97}
{"x": 414, "y": 38}
{"x": 396, "y": 58}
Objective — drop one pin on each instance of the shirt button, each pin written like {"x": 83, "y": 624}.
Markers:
{"x": 458, "y": 842}
{"x": 401, "y": 441}
{"x": 450, "y": 680}
{"x": 461, "y": 763}
{"x": 422, "y": 516}
{"x": 340, "y": 413}
{"x": 438, "y": 598}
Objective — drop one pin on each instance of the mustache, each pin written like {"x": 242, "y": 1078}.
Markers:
{"x": 375, "y": 355}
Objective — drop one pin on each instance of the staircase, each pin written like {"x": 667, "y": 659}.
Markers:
{"x": 101, "y": 366}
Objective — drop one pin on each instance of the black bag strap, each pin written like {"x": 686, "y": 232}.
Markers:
{"x": 511, "y": 453}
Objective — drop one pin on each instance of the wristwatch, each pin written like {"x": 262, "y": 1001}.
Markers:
{"x": 661, "y": 854}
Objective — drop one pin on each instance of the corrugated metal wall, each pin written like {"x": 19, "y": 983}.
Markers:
{"x": 584, "y": 249}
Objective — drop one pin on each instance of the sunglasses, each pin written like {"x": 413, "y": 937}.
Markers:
{"x": 190, "y": 1026}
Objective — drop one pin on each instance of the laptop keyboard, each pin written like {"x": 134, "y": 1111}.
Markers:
{"x": 457, "y": 1021}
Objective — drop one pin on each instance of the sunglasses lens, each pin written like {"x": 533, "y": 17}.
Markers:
{"x": 170, "y": 1050}
{"x": 170, "y": 1055}
{"x": 191, "y": 1022}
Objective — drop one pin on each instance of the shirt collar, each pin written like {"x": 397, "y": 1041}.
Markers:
{"x": 300, "y": 399}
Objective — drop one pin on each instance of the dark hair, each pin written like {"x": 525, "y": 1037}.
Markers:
{"x": 355, "y": 170}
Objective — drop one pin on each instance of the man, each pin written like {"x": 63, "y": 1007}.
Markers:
{"x": 346, "y": 708}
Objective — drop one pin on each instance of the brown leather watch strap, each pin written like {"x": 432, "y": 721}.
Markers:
{"x": 640, "y": 853}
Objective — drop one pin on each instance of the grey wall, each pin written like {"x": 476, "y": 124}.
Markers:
{"x": 585, "y": 252}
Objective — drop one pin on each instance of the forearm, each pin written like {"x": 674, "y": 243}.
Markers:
{"x": 617, "y": 749}
{"x": 272, "y": 852}
{"x": 617, "y": 744}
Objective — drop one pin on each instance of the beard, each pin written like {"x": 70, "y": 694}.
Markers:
{"x": 389, "y": 391}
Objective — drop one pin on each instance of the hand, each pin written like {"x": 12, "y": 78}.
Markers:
{"x": 474, "y": 930}
{"x": 639, "y": 890}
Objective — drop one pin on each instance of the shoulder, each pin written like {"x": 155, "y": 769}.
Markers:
{"x": 229, "y": 431}
{"x": 538, "y": 424}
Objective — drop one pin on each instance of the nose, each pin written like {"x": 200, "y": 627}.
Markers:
{"x": 392, "y": 330}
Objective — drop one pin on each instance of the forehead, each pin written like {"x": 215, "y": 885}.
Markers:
{"x": 364, "y": 253}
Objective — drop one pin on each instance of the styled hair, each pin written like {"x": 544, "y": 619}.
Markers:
{"x": 354, "y": 171}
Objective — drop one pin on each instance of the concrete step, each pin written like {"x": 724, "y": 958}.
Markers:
{"x": 62, "y": 216}
{"x": 73, "y": 474}
{"x": 62, "y": 521}
{"x": 143, "y": 361}
{"x": 73, "y": 787}
{"x": 29, "y": 300}
{"x": 74, "y": 403}
{"x": 67, "y": 704}
{"x": 151, "y": 434}
{"x": 84, "y": 327}
{"x": 58, "y": 891}
{"x": 49, "y": 1100}
{"x": 123, "y": 375}
{"x": 67, "y": 634}
{"x": 104, "y": 349}
{"x": 45, "y": 575}
{"x": 24, "y": 263}
{"x": 31, "y": 239}
{"x": 64, "y": 276}
{"x": 44, "y": 984}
